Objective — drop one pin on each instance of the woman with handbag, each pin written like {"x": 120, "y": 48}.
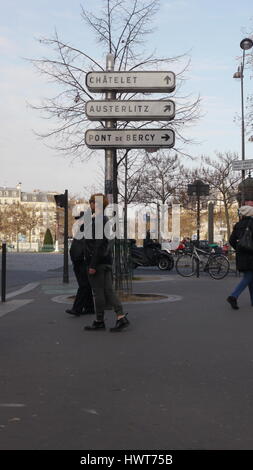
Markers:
{"x": 241, "y": 240}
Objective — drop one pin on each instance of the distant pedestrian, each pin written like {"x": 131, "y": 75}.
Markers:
{"x": 83, "y": 303}
{"x": 99, "y": 259}
{"x": 244, "y": 259}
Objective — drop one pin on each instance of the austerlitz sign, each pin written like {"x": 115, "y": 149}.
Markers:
{"x": 129, "y": 138}
{"x": 130, "y": 110}
{"x": 131, "y": 81}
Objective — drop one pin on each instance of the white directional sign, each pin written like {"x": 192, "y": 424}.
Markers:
{"x": 242, "y": 165}
{"x": 130, "y": 110}
{"x": 153, "y": 82}
{"x": 129, "y": 138}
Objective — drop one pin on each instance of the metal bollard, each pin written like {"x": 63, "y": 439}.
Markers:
{"x": 3, "y": 276}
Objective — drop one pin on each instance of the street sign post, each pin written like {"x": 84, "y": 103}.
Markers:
{"x": 137, "y": 110}
{"x": 129, "y": 138}
{"x": 153, "y": 82}
{"x": 239, "y": 165}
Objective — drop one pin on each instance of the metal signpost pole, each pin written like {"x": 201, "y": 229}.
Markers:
{"x": 111, "y": 171}
{"x": 110, "y": 154}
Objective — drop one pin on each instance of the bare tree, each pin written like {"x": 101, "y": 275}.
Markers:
{"x": 121, "y": 28}
{"x": 222, "y": 180}
{"x": 32, "y": 220}
{"x": 157, "y": 182}
{"x": 160, "y": 178}
{"x": 16, "y": 219}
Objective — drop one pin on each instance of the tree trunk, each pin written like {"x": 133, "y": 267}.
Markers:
{"x": 227, "y": 218}
{"x": 17, "y": 242}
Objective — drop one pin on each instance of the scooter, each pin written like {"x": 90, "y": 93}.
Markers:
{"x": 151, "y": 256}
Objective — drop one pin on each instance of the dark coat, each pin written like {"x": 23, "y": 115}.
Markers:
{"x": 77, "y": 250}
{"x": 244, "y": 260}
{"x": 97, "y": 251}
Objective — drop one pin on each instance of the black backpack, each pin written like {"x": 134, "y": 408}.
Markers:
{"x": 245, "y": 242}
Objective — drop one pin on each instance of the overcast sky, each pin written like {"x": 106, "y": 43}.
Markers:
{"x": 211, "y": 31}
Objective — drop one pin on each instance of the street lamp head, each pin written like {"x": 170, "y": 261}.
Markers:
{"x": 237, "y": 74}
{"x": 246, "y": 44}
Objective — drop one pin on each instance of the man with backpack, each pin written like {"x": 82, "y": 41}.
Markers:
{"x": 241, "y": 240}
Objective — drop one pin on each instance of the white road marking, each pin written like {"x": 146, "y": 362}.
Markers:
{"x": 12, "y": 405}
{"x": 7, "y": 307}
{"x": 23, "y": 290}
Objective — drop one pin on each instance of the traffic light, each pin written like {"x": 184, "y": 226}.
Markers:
{"x": 61, "y": 200}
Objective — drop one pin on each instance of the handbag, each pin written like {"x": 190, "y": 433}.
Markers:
{"x": 245, "y": 242}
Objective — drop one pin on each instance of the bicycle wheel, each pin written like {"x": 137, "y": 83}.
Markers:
{"x": 218, "y": 266}
{"x": 186, "y": 265}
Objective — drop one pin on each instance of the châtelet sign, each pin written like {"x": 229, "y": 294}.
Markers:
{"x": 152, "y": 82}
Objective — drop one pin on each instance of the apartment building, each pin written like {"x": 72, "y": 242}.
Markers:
{"x": 40, "y": 203}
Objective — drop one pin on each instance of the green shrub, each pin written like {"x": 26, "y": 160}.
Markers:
{"x": 48, "y": 239}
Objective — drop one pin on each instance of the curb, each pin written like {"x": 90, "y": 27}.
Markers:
{"x": 64, "y": 299}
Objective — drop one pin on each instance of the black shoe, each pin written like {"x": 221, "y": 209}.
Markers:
{"x": 120, "y": 324}
{"x": 96, "y": 325}
{"x": 233, "y": 302}
{"x": 73, "y": 312}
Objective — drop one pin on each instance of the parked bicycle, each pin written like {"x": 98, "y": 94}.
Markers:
{"x": 216, "y": 265}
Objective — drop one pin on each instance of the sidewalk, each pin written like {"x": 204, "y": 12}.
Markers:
{"x": 180, "y": 377}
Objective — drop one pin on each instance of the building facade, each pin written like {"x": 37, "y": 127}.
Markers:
{"x": 40, "y": 205}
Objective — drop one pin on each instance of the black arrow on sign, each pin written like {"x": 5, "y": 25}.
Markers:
{"x": 167, "y": 108}
{"x": 167, "y": 79}
{"x": 165, "y": 137}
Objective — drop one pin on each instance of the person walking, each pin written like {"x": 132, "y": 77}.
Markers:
{"x": 99, "y": 258}
{"x": 244, "y": 259}
{"x": 83, "y": 303}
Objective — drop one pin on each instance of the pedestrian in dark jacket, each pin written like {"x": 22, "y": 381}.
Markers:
{"x": 83, "y": 303}
{"x": 99, "y": 259}
{"x": 244, "y": 259}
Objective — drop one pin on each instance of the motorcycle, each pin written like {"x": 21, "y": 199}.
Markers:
{"x": 151, "y": 255}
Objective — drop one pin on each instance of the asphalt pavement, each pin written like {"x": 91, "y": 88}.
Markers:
{"x": 23, "y": 268}
{"x": 180, "y": 377}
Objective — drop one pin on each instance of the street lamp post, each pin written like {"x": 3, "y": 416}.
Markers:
{"x": 245, "y": 44}
{"x": 198, "y": 189}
